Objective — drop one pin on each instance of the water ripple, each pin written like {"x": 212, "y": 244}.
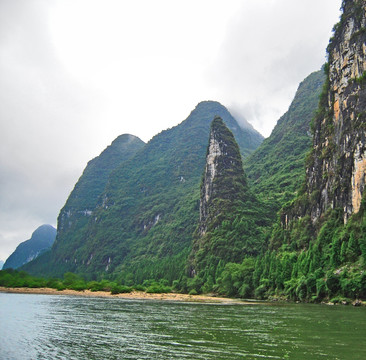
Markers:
{"x": 61, "y": 327}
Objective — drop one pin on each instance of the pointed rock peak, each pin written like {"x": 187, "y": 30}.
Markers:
{"x": 223, "y": 179}
{"x": 217, "y": 122}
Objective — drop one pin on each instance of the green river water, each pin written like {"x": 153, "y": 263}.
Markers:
{"x": 67, "y": 327}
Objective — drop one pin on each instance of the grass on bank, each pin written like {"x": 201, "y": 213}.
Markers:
{"x": 15, "y": 279}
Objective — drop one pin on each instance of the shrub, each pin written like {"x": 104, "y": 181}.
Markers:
{"x": 158, "y": 289}
{"x": 333, "y": 284}
{"x": 245, "y": 291}
{"x": 139, "y": 288}
{"x": 301, "y": 289}
{"x": 120, "y": 289}
{"x": 321, "y": 289}
{"x": 78, "y": 286}
{"x": 103, "y": 285}
{"x": 260, "y": 292}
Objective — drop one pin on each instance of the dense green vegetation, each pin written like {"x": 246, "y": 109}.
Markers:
{"x": 16, "y": 279}
{"x": 313, "y": 265}
{"x": 95, "y": 176}
{"x": 143, "y": 223}
{"x": 74, "y": 216}
{"x": 275, "y": 170}
{"x": 240, "y": 257}
{"x": 312, "y": 256}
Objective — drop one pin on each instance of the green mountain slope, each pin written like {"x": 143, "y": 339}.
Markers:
{"x": 40, "y": 241}
{"x": 74, "y": 216}
{"x": 143, "y": 225}
{"x": 79, "y": 206}
{"x": 276, "y": 169}
{"x": 95, "y": 176}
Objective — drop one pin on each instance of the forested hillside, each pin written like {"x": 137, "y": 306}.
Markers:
{"x": 74, "y": 216}
{"x": 276, "y": 169}
{"x": 143, "y": 223}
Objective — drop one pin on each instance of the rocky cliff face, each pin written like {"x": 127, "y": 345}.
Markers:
{"x": 227, "y": 228}
{"x": 214, "y": 152}
{"x": 336, "y": 169}
{"x": 223, "y": 175}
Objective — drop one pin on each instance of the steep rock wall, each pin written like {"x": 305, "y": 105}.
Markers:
{"x": 336, "y": 169}
{"x": 222, "y": 159}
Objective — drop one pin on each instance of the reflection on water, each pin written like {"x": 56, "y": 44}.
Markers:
{"x": 63, "y": 327}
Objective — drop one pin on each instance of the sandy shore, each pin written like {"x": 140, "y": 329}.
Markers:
{"x": 135, "y": 295}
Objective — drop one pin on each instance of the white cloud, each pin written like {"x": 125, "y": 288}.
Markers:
{"x": 269, "y": 48}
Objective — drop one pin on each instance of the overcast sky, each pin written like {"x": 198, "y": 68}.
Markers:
{"x": 75, "y": 74}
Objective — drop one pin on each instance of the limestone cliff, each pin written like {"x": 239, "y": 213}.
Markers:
{"x": 223, "y": 177}
{"x": 336, "y": 168}
{"x": 230, "y": 226}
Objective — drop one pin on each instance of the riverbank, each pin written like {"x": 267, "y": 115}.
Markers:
{"x": 134, "y": 295}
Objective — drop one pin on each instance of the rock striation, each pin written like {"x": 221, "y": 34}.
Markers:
{"x": 336, "y": 168}
{"x": 223, "y": 177}
{"x": 225, "y": 202}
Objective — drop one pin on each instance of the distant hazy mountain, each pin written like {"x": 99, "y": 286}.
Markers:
{"x": 41, "y": 241}
{"x": 1, "y": 264}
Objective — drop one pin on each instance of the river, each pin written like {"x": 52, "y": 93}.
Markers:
{"x": 69, "y": 327}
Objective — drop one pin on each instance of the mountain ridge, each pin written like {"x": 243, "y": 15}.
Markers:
{"x": 145, "y": 196}
{"x": 276, "y": 168}
{"x": 41, "y": 240}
